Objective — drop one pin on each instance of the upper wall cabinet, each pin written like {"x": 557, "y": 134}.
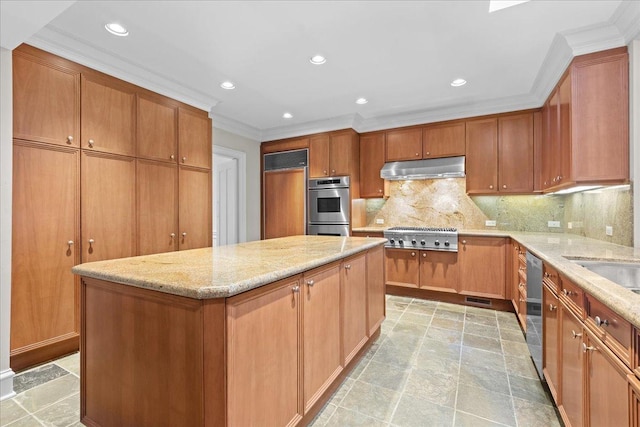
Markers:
{"x": 586, "y": 124}
{"x": 194, "y": 138}
{"x": 482, "y": 156}
{"x": 334, "y": 154}
{"x": 371, "y": 161}
{"x": 157, "y": 129}
{"x": 108, "y": 116}
{"x": 285, "y": 145}
{"x": 46, "y": 100}
{"x": 404, "y": 144}
{"x": 443, "y": 140}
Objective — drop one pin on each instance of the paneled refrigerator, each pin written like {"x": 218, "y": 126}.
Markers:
{"x": 284, "y": 190}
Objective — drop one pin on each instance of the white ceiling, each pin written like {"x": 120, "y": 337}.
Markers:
{"x": 400, "y": 55}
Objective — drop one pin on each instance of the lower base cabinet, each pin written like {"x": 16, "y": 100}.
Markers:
{"x": 482, "y": 266}
{"x": 433, "y": 270}
{"x": 572, "y": 368}
{"x": 550, "y": 324}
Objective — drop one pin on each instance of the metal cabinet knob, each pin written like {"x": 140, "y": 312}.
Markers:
{"x": 575, "y": 335}
{"x": 70, "y": 242}
{"x": 69, "y": 139}
{"x": 522, "y": 268}
{"x": 601, "y": 322}
{"x": 379, "y": 190}
{"x": 347, "y": 267}
{"x": 172, "y": 235}
{"x": 586, "y": 348}
{"x": 172, "y": 157}
{"x": 91, "y": 142}
{"x": 504, "y": 185}
{"x": 491, "y": 187}
{"x": 568, "y": 292}
{"x": 417, "y": 154}
{"x": 547, "y": 274}
{"x": 428, "y": 153}
{"x": 91, "y": 241}
{"x": 523, "y": 300}
{"x": 333, "y": 171}
{"x": 424, "y": 255}
{"x": 310, "y": 282}
{"x": 520, "y": 285}
{"x": 552, "y": 307}
{"x": 184, "y": 159}
{"x": 413, "y": 254}
{"x": 295, "y": 288}
{"x": 184, "y": 234}
{"x": 464, "y": 242}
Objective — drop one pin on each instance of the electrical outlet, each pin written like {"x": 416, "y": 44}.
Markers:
{"x": 609, "y": 230}
{"x": 379, "y": 221}
{"x": 569, "y": 225}
{"x": 490, "y": 223}
{"x": 553, "y": 224}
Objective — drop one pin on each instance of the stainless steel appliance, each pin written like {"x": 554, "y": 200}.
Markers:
{"x": 445, "y": 167}
{"x": 329, "y": 206}
{"x": 534, "y": 314}
{"x": 428, "y": 238}
{"x": 284, "y": 189}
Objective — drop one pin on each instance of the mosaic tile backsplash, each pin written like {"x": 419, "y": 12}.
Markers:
{"x": 444, "y": 203}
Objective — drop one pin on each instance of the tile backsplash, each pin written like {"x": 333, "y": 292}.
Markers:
{"x": 444, "y": 203}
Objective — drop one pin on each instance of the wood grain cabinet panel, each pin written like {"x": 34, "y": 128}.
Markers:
{"x": 550, "y": 346}
{"x": 354, "y": 302}
{"x": 263, "y": 345}
{"x": 335, "y": 154}
{"x": 322, "y": 359}
{"x": 108, "y": 217}
{"x": 194, "y": 216}
{"x": 46, "y": 101}
{"x": 482, "y": 155}
{"x": 478, "y": 276}
{"x": 515, "y": 153}
{"x": 402, "y": 268}
{"x": 157, "y": 129}
{"x": 439, "y": 271}
{"x": 404, "y": 144}
{"x": 572, "y": 368}
{"x": 157, "y": 206}
{"x": 108, "y": 116}
{"x": 319, "y": 148}
{"x": 371, "y": 162}
{"x": 45, "y": 245}
{"x": 375, "y": 289}
{"x": 443, "y": 140}
{"x": 283, "y": 203}
{"x": 194, "y": 138}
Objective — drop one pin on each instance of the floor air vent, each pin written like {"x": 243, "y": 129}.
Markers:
{"x": 479, "y": 301}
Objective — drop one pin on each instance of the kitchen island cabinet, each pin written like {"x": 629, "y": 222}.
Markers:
{"x": 258, "y": 333}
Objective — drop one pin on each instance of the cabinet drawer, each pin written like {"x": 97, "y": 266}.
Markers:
{"x": 551, "y": 278}
{"x": 610, "y": 327}
{"x": 573, "y": 296}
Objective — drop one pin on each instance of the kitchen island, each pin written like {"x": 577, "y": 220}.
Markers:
{"x": 258, "y": 333}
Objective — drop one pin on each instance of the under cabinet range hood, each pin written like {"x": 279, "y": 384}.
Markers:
{"x": 445, "y": 167}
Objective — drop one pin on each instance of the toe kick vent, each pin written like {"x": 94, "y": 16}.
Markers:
{"x": 479, "y": 301}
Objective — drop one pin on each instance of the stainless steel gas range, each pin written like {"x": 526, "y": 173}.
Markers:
{"x": 427, "y": 238}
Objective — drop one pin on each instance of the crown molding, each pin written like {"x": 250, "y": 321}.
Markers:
{"x": 316, "y": 126}
{"x": 234, "y": 126}
{"x": 68, "y": 46}
{"x": 594, "y": 38}
{"x": 627, "y": 19}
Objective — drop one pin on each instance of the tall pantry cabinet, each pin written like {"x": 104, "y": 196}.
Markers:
{"x": 103, "y": 169}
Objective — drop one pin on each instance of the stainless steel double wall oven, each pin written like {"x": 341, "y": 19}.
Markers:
{"x": 329, "y": 206}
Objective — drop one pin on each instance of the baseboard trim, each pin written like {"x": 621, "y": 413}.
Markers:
{"x": 495, "y": 304}
{"x": 26, "y": 357}
{"x": 6, "y": 384}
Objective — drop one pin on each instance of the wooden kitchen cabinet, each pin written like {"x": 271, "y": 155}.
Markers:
{"x": 108, "y": 116}
{"x": 335, "y": 154}
{"x": 376, "y": 290}
{"x": 263, "y": 350}
{"x": 402, "y": 267}
{"x": 439, "y": 271}
{"x": 482, "y": 155}
{"x": 404, "y": 144}
{"x": 319, "y": 155}
{"x": 46, "y": 98}
{"x": 45, "y": 245}
{"x": 108, "y": 206}
{"x": 194, "y": 214}
{"x": 287, "y": 144}
{"x": 515, "y": 153}
{"x": 372, "y": 146}
{"x": 322, "y": 359}
{"x": 550, "y": 346}
{"x": 283, "y": 206}
{"x": 443, "y": 140}
{"x": 634, "y": 384}
{"x": 194, "y": 138}
{"x": 157, "y": 206}
{"x": 572, "y": 368}
{"x": 482, "y": 266}
{"x": 157, "y": 129}
{"x": 354, "y": 302}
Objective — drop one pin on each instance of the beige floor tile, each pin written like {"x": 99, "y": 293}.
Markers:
{"x": 71, "y": 363}
{"x": 62, "y": 413}
{"x": 415, "y": 412}
{"x": 44, "y": 395}
{"x": 28, "y": 421}
{"x": 376, "y": 402}
{"x": 10, "y": 411}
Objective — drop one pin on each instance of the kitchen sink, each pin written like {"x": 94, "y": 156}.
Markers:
{"x": 623, "y": 273}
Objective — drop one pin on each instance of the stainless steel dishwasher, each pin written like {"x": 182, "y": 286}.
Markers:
{"x": 534, "y": 312}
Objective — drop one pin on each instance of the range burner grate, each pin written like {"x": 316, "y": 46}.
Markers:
{"x": 427, "y": 229}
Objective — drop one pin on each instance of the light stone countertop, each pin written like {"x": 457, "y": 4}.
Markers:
{"x": 224, "y": 271}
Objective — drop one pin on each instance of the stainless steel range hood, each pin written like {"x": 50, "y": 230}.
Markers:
{"x": 445, "y": 167}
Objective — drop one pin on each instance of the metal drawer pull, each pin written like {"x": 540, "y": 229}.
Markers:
{"x": 601, "y": 322}
{"x": 575, "y": 335}
{"x": 589, "y": 348}
{"x": 552, "y": 307}
{"x": 296, "y": 288}
{"x": 347, "y": 267}
{"x": 568, "y": 292}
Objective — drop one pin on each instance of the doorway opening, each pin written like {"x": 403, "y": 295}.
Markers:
{"x": 229, "y": 196}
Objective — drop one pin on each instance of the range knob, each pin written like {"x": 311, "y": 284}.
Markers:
{"x": 437, "y": 243}
{"x": 422, "y": 242}
{"x": 392, "y": 241}
{"x": 446, "y": 243}
{"x": 413, "y": 241}
{"x": 400, "y": 242}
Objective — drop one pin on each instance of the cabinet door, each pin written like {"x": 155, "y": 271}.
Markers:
{"x": 402, "y": 268}
{"x": 108, "y": 116}
{"x": 443, "y": 140}
{"x": 553, "y": 154}
{"x": 607, "y": 387}
{"x": 371, "y": 161}
{"x": 354, "y": 303}
{"x": 515, "y": 153}
{"x": 572, "y": 368}
{"x": 157, "y": 207}
{"x": 550, "y": 346}
{"x": 45, "y": 245}
{"x": 194, "y": 215}
{"x": 321, "y": 332}
{"x": 482, "y": 156}
{"x": 319, "y": 155}
{"x": 482, "y": 266}
{"x": 404, "y": 144}
{"x": 157, "y": 124}
{"x": 46, "y": 102}
{"x": 342, "y": 150}
{"x": 563, "y": 148}
{"x": 375, "y": 289}
{"x": 194, "y": 139}
{"x": 263, "y": 342}
{"x": 284, "y": 203}
{"x": 439, "y": 271}
{"x": 108, "y": 206}
{"x": 513, "y": 277}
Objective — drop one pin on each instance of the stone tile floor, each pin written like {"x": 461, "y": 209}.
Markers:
{"x": 435, "y": 364}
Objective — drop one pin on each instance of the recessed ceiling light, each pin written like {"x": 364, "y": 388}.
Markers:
{"x": 116, "y": 29}
{"x": 362, "y": 101}
{"x": 458, "y": 82}
{"x": 227, "y": 85}
{"x": 318, "y": 60}
{"x": 287, "y": 115}
{"x": 496, "y": 5}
